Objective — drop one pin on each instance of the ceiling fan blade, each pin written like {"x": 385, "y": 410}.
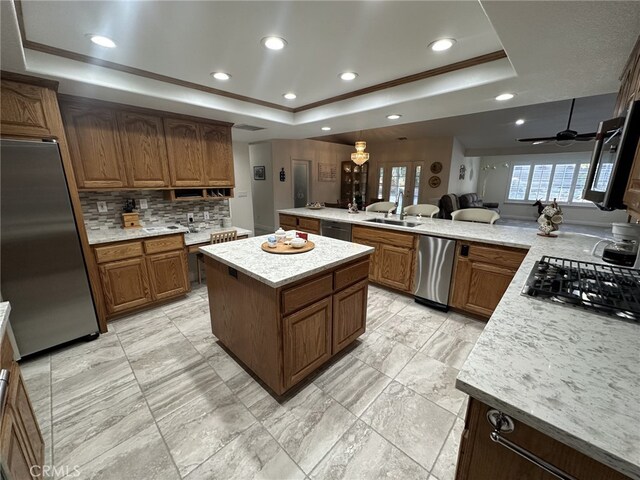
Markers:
{"x": 538, "y": 139}
{"x": 585, "y": 137}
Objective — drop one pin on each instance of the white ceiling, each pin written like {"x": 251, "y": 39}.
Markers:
{"x": 556, "y": 50}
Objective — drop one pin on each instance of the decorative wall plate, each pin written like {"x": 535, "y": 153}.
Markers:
{"x": 434, "y": 182}
{"x": 436, "y": 167}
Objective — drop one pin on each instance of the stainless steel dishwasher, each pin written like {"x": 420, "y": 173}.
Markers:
{"x": 339, "y": 230}
{"x": 433, "y": 272}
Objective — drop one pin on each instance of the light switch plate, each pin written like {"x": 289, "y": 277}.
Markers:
{"x": 102, "y": 207}
{"x": 206, "y": 215}
{"x": 142, "y": 203}
{"x": 241, "y": 194}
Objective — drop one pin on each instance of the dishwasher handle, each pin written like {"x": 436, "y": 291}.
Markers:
{"x": 504, "y": 424}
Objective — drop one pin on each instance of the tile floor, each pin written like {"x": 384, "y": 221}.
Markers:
{"x": 158, "y": 398}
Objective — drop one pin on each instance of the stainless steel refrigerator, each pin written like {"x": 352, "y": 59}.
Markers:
{"x": 42, "y": 270}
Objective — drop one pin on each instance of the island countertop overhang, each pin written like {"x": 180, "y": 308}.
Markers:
{"x": 277, "y": 270}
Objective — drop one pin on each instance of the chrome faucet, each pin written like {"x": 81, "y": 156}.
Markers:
{"x": 402, "y": 214}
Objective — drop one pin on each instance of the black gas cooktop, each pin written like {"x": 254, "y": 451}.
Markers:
{"x": 605, "y": 289}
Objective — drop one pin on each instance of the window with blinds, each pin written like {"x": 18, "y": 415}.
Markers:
{"x": 564, "y": 181}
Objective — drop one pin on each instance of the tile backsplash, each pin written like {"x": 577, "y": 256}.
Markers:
{"x": 160, "y": 210}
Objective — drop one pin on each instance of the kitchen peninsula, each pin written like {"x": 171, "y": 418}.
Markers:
{"x": 568, "y": 378}
{"x": 284, "y": 316}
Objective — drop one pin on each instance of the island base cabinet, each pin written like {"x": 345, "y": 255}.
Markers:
{"x": 125, "y": 284}
{"x": 307, "y": 341}
{"x": 480, "y": 458}
{"x": 284, "y": 334}
{"x": 349, "y": 315}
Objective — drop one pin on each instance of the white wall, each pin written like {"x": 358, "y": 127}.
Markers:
{"x": 262, "y": 190}
{"x": 241, "y": 205}
{"x": 498, "y": 182}
{"x": 472, "y": 165}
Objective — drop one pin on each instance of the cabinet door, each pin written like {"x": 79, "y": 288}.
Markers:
{"x": 218, "y": 155}
{"x": 306, "y": 340}
{"x": 309, "y": 225}
{"x": 288, "y": 222}
{"x": 24, "y": 109}
{"x": 481, "y": 458}
{"x": 95, "y": 148}
{"x": 349, "y": 315}
{"x": 184, "y": 150}
{"x": 632, "y": 194}
{"x": 479, "y": 286}
{"x": 15, "y": 455}
{"x": 168, "y": 274}
{"x": 144, "y": 149}
{"x": 395, "y": 267}
{"x": 373, "y": 259}
{"x": 125, "y": 284}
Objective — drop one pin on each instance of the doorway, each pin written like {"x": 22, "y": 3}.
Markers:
{"x": 400, "y": 182}
{"x": 301, "y": 169}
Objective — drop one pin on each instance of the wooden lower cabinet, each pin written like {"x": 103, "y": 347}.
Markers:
{"x": 395, "y": 267}
{"x": 349, "y": 314}
{"x": 167, "y": 274}
{"x": 125, "y": 284}
{"x": 480, "y": 458}
{"x": 292, "y": 222}
{"x": 482, "y": 274}
{"x": 306, "y": 340}
{"x": 284, "y": 334}
{"x": 139, "y": 273}
{"x": 21, "y": 442}
{"x": 394, "y": 261}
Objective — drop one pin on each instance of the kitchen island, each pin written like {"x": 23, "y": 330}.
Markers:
{"x": 566, "y": 373}
{"x": 283, "y": 316}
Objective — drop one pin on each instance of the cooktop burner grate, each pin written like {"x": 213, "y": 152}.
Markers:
{"x": 606, "y": 289}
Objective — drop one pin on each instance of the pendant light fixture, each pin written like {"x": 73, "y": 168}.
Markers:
{"x": 359, "y": 156}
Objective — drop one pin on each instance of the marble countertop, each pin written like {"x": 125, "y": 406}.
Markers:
{"x": 572, "y": 374}
{"x": 275, "y": 270}
{"x": 121, "y": 234}
{"x": 5, "y": 308}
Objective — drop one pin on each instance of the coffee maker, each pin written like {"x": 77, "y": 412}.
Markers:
{"x": 623, "y": 250}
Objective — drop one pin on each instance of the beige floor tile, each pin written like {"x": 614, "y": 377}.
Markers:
{"x": 383, "y": 353}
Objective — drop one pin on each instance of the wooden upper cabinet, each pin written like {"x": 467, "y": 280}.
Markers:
{"x": 218, "y": 155}
{"x": 24, "y": 109}
{"x": 185, "y": 153}
{"x": 144, "y": 150}
{"x": 95, "y": 148}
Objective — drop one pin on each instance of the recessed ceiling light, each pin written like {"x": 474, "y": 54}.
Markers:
{"x": 538, "y": 142}
{"x": 520, "y": 121}
{"x": 221, "y": 76}
{"x": 348, "y": 76}
{"x": 290, "y": 96}
{"x": 505, "y": 96}
{"x": 442, "y": 44}
{"x": 393, "y": 116}
{"x": 101, "y": 40}
{"x": 274, "y": 43}
{"x": 325, "y": 129}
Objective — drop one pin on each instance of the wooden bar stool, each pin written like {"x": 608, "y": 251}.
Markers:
{"x": 220, "y": 237}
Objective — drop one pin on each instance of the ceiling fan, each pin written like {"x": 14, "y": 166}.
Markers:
{"x": 565, "y": 137}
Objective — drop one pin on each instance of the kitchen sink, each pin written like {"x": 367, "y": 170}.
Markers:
{"x": 390, "y": 221}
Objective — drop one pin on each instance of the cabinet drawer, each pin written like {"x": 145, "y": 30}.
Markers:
{"x": 164, "y": 244}
{"x": 121, "y": 251}
{"x": 351, "y": 274}
{"x": 310, "y": 224}
{"x": 496, "y": 255}
{"x": 288, "y": 220}
{"x": 297, "y": 297}
{"x": 397, "y": 239}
